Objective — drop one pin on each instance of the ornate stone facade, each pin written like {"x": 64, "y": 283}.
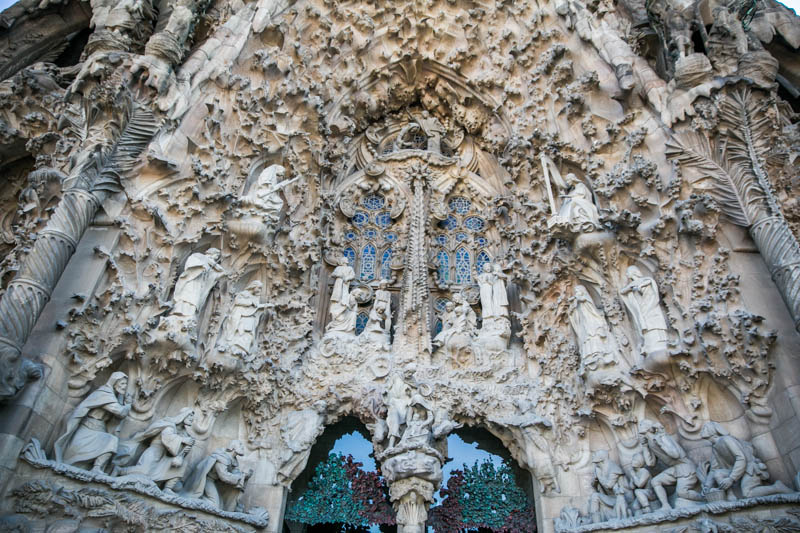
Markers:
{"x": 228, "y": 225}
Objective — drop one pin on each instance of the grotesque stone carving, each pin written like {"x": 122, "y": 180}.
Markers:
{"x": 734, "y": 463}
{"x": 217, "y": 478}
{"x": 164, "y": 459}
{"x": 680, "y": 471}
{"x": 87, "y": 438}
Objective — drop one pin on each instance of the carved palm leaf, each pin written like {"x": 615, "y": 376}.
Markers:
{"x": 727, "y": 182}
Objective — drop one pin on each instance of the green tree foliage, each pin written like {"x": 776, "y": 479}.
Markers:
{"x": 341, "y": 492}
{"x": 483, "y": 496}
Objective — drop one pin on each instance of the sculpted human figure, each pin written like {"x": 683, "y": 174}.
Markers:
{"x": 641, "y": 298}
{"x": 680, "y": 470}
{"x": 87, "y": 438}
{"x": 610, "y": 489}
{"x": 376, "y": 331}
{"x": 164, "y": 460}
{"x": 733, "y": 461}
{"x": 434, "y": 131}
{"x": 448, "y": 325}
{"x": 343, "y": 305}
{"x": 398, "y": 401}
{"x": 383, "y": 295}
{"x": 597, "y": 349}
{"x": 239, "y": 331}
{"x": 200, "y": 274}
{"x": 264, "y": 198}
{"x": 301, "y": 429}
{"x": 418, "y": 428}
{"x": 640, "y": 479}
{"x": 217, "y": 478}
{"x": 577, "y": 213}
{"x": 494, "y": 300}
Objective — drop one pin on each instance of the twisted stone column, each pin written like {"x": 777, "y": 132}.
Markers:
{"x": 30, "y": 290}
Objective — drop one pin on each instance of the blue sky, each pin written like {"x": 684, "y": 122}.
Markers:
{"x": 794, "y": 4}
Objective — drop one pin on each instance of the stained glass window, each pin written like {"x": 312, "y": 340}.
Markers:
{"x": 386, "y": 264}
{"x": 481, "y": 241}
{"x": 440, "y": 304}
{"x": 463, "y": 274}
{"x": 482, "y": 259}
{"x": 437, "y": 327}
{"x": 450, "y": 223}
{"x": 390, "y": 237}
{"x": 350, "y": 254}
{"x": 383, "y": 220}
{"x": 360, "y": 219}
{"x": 460, "y": 205}
{"x": 444, "y": 266}
{"x": 361, "y": 322}
{"x": 460, "y": 237}
{"x": 474, "y": 223}
{"x": 374, "y": 202}
{"x": 441, "y": 240}
{"x": 368, "y": 263}
{"x": 350, "y": 235}
{"x": 370, "y": 233}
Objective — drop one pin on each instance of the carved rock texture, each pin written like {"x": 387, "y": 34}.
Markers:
{"x": 569, "y": 224}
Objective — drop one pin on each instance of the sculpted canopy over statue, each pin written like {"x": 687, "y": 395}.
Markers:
{"x": 217, "y": 478}
{"x": 240, "y": 329}
{"x": 680, "y": 470}
{"x": 641, "y": 298}
{"x": 164, "y": 460}
{"x": 343, "y": 305}
{"x": 733, "y": 461}
{"x": 87, "y": 438}
{"x": 494, "y": 300}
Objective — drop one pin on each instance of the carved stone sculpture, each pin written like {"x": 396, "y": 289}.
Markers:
{"x": 343, "y": 304}
{"x": 378, "y": 323}
{"x": 398, "y": 401}
{"x": 599, "y": 357}
{"x": 299, "y": 431}
{"x": 494, "y": 301}
{"x": 640, "y": 478}
{"x": 734, "y": 463}
{"x": 200, "y": 274}
{"x": 87, "y": 438}
{"x": 459, "y": 328}
{"x": 608, "y": 501}
{"x": 680, "y": 471}
{"x": 217, "y": 478}
{"x": 164, "y": 460}
{"x": 641, "y": 299}
{"x": 257, "y": 213}
{"x": 241, "y": 327}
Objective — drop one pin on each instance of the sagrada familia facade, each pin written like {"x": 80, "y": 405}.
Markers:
{"x": 228, "y": 225}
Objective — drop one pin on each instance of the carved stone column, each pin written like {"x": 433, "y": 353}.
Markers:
{"x": 41, "y": 269}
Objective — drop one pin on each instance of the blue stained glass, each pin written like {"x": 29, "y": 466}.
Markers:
{"x": 370, "y": 233}
{"x": 460, "y": 205}
{"x": 481, "y": 241}
{"x": 444, "y": 266}
{"x": 386, "y": 264}
{"x": 350, "y": 254}
{"x": 441, "y": 240}
{"x": 383, "y": 220}
{"x": 437, "y": 328}
{"x": 440, "y": 304}
{"x": 361, "y": 322}
{"x": 450, "y": 223}
{"x": 390, "y": 237}
{"x": 474, "y": 223}
{"x": 463, "y": 273}
{"x": 350, "y": 236}
{"x": 360, "y": 218}
{"x": 368, "y": 263}
{"x": 373, "y": 202}
{"x": 461, "y": 237}
{"x": 481, "y": 260}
